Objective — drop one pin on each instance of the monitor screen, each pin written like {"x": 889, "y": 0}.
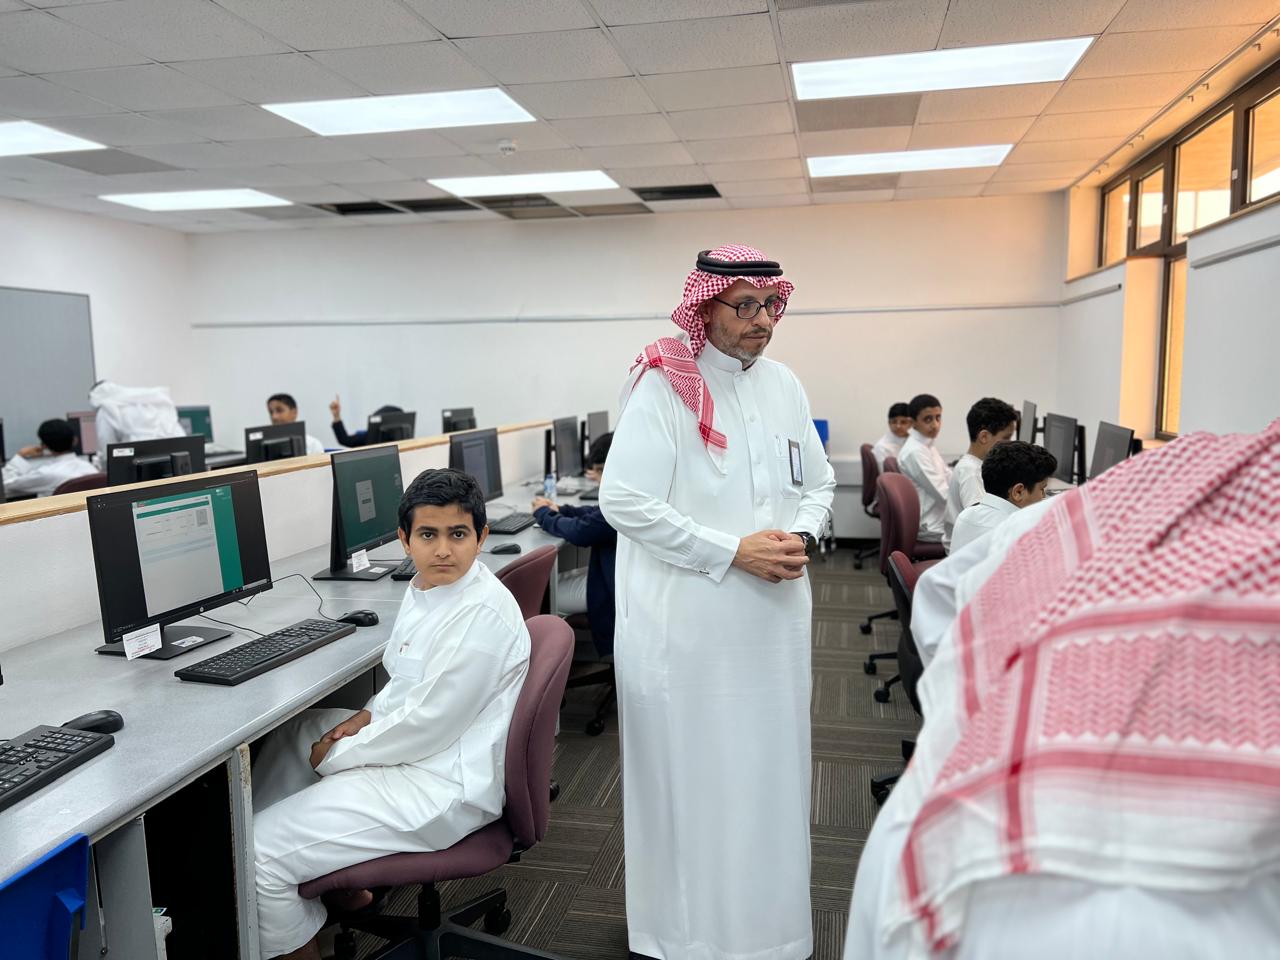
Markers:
{"x": 85, "y": 425}
{"x": 476, "y": 453}
{"x": 389, "y": 427}
{"x": 1109, "y": 447}
{"x": 459, "y": 418}
{"x": 275, "y": 441}
{"x": 367, "y": 490}
{"x": 165, "y": 553}
{"x": 597, "y": 424}
{"x": 568, "y": 447}
{"x": 197, "y": 421}
{"x": 1060, "y": 440}
{"x": 1027, "y": 425}
{"x": 154, "y": 459}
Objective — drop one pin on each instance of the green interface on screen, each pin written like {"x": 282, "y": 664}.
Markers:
{"x": 197, "y": 421}
{"x": 188, "y": 549}
{"x": 369, "y": 493}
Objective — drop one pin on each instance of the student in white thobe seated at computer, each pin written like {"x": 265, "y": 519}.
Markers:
{"x": 1014, "y": 475}
{"x": 990, "y": 421}
{"x": 922, "y": 464}
{"x": 43, "y": 467}
{"x": 282, "y": 408}
{"x": 422, "y": 765}
{"x": 890, "y": 445}
{"x": 132, "y": 413}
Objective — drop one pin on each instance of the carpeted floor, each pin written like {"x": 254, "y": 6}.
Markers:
{"x": 566, "y": 896}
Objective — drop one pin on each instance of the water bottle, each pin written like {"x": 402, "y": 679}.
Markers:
{"x": 549, "y": 486}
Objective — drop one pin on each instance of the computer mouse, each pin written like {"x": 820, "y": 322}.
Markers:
{"x": 506, "y": 548}
{"x": 361, "y": 618}
{"x": 100, "y": 721}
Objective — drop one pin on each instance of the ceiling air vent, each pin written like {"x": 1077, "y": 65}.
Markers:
{"x": 359, "y": 208}
{"x": 433, "y": 205}
{"x": 697, "y": 191}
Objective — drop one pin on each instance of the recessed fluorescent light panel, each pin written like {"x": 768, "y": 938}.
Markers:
{"x": 904, "y": 161}
{"x": 411, "y": 111}
{"x": 526, "y": 183}
{"x": 23, "y": 137}
{"x": 957, "y": 69}
{"x": 196, "y": 200}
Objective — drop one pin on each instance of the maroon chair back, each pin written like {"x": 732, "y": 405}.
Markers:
{"x": 91, "y": 481}
{"x": 899, "y": 516}
{"x": 890, "y": 465}
{"x": 870, "y": 471}
{"x": 527, "y": 579}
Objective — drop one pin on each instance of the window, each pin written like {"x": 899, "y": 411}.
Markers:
{"x": 1115, "y": 226}
{"x": 1150, "y": 208}
{"x": 1203, "y": 167}
{"x": 1264, "y": 149}
{"x": 1168, "y": 414}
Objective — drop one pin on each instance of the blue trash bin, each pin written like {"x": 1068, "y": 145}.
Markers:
{"x": 824, "y": 431}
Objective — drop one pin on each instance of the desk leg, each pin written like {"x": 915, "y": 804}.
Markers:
{"x": 240, "y": 786}
{"x": 124, "y": 881}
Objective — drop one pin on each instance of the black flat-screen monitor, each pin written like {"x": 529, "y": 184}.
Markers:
{"x": 568, "y": 447}
{"x": 4, "y": 457}
{"x": 1110, "y": 446}
{"x": 84, "y": 424}
{"x": 141, "y": 460}
{"x": 476, "y": 453}
{"x": 174, "y": 551}
{"x": 197, "y": 421}
{"x": 366, "y": 508}
{"x": 1060, "y": 440}
{"x": 389, "y": 427}
{"x": 1027, "y": 424}
{"x": 457, "y": 418}
{"x": 274, "y": 441}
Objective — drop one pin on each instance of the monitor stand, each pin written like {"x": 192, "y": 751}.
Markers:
{"x": 175, "y": 640}
{"x": 375, "y": 571}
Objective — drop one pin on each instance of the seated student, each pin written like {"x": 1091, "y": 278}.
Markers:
{"x": 586, "y": 526}
{"x": 359, "y": 438}
{"x": 1014, "y": 475}
{"x": 990, "y": 421}
{"x": 42, "y": 467}
{"x": 282, "y": 408}
{"x": 422, "y": 765}
{"x": 923, "y": 465}
{"x": 132, "y": 413}
{"x": 890, "y": 445}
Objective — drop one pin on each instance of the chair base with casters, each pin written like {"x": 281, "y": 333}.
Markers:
{"x": 882, "y": 786}
{"x": 593, "y": 673}
{"x": 881, "y": 693}
{"x": 865, "y": 626}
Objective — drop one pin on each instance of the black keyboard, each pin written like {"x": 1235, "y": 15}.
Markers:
{"x": 33, "y": 760}
{"x": 591, "y": 494}
{"x": 266, "y": 653}
{"x": 406, "y": 570}
{"x": 511, "y": 523}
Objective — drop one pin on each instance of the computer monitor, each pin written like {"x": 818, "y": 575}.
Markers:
{"x": 166, "y": 553}
{"x": 84, "y": 424}
{"x": 476, "y": 453}
{"x": 459, "y": 418}
{"x": 4, "y": 457}
{"x": 388, "y": 427}
{"x": 1027, "y": 425}
{"x": 366, "y": 509}
{"x": 197, "y": 421}
{"x": 568, "y": 447}
{"x": 141, "y": 460}
{"x": 1060, "y": 440}
{"x": 275, "y": 441}
{"x": 1110, "y": 446}
{"x": 597, "y": 425}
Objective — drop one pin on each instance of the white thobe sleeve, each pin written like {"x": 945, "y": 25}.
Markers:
{"x": 20, "y": 476}
{"x": 969, "y": 487}
{"x": 464, "y": 671}
{"x": 819, "y": 479}
{"x": 937, "y": 479}
{"x": 314, "y": 446}
{"x": 637, "y": 481}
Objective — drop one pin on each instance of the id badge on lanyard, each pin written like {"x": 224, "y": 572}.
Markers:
{"x": 797, "y": 464}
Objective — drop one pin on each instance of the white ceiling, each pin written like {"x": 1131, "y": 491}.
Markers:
{"x": 656, "y": 92}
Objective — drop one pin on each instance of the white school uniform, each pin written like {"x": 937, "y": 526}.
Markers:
{"x": 890, "y": 445}
{"x": 43, "y": 475}
{"x": 964, "y": 490}
{"x": 132, "y": 413}
{"x": 923, "y": 465}
{"x": 980, "y": 519}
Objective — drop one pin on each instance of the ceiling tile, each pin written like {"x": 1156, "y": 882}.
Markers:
{"x": 584, "y": 98}
{"x": 231, "y": 123}
{"x": 847, "y": 113}
{"x": 122, "y": 129}
{"x": 149, "y": 87}
{"x": 1159, "y": 14}
{"x": 761, "y": 188}
{"x": 688, "y": 206}
{"x": 327, "y": 193}
{"x": 330, "y": 24}
{"x": 613, "y": 131}
{"x": 275, "y": 78}
{"x": 1041, "y": 171}
{"x": 937, "y": 193}
{"x": 486, "y": 139}
{"x": 638, "y": 155}
{"x": 405, "y": 68}
{"x": 678, "y": 175}
{"x": 986, "y": 103}
{"x": 198, "y": 155}
{"x": 495, "y": 17}
{"x": 8, "y": 6}
{"x": 1049, "y": 151}
{"x": 269, "y": 176}
{"x": 107, "y": 162}
{"x": 306, "y": 149}
{"x": 1026, "y": 186}
{"x": 870, "y": 181}
{"x": 865, "y": 29}
{"x": 787, "y": 200}
{"x": 402, "y": 190}
{"x": 546, "y": 57}
{"x": 578, "y": 198}
{"x": 463, "y": 216}
{"x": 972, "y": 23}
{"x": 969, "y": 133}
{"x": 33, "y": 168}
{"x": 1102, "y": 123}
{"x": 698, "y": 44}
{"x": 854, "y": 196}
{"x": 835, "y": 142}
{"x": 427, "y": 167}
{"x": 37, "y": 42}
{"x": 745, "y": 148}
{"x": 33, "y": 98}
{"x": 718, "y": 88}
{"x": 1119, "y": 93}
{"x": 172, "y": 29}
{"x": 611, "y": 209}
{"x": 409, "y": 143}
{"x": 177, "y": 180}
{"x": 1125, "y": 54}
{"x": 349, "y": 171}
{"x": 718, "y": 123}
{"x": 943, "y": 178}
{"x": 539, "y": 161}
{"x": 616, "y": 12}
{"x": 755, "y": 170}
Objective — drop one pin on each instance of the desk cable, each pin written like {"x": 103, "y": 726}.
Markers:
{"x": 319, "y": 607}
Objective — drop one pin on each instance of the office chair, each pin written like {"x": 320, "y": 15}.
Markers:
{"x": 596, "y": 670}
{"x": 42, "y": 905}
{"x": 528, "y": 579}
{"x": 890, "y": 465}
{"x": 431, "y": 934}
{"x": 91, "y": 481}
{"x": 870, "y": 471}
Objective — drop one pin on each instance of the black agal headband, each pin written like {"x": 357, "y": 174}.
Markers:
{"x": 737, "y": 268}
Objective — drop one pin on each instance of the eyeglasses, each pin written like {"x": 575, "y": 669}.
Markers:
{"x": 748, "y": 309}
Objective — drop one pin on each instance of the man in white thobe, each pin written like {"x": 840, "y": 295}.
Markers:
{"x": 43, "y": 467}
{"x": 890, "y": 445}
{"x": 990, "y": 421}
{"x": 717, "y": 485}
{"x": 132, "y": 413}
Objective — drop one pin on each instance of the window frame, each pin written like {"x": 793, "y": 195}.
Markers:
{"x": 1165, "y": 303}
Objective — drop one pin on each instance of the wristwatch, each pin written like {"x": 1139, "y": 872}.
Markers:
{"x": 810, "y": 542}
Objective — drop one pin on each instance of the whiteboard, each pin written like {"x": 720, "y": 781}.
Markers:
{"x": 46, "y": 360}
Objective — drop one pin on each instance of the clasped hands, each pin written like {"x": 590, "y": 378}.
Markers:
{"x": 347, "y": 728}
{"x": 772, "y": 555}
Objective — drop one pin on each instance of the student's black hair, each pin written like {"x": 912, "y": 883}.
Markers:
{"x": 57, "y": 435}
{"x": 599, "y": 449}
{"x": 922, "y": 401}
{"x": 440, "y": 488}
{"x": 388, "y": 408}
{"x": 899, "y": 410}
{"x": 285, "y": 398}
{"x": 991, "y": 415}
{"x": 1014, "y": 462}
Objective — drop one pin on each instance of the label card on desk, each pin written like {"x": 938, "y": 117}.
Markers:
{"x": 360, "y": 560}
{"x": 188, "y": 641}
{"x": 141, "y": 642}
